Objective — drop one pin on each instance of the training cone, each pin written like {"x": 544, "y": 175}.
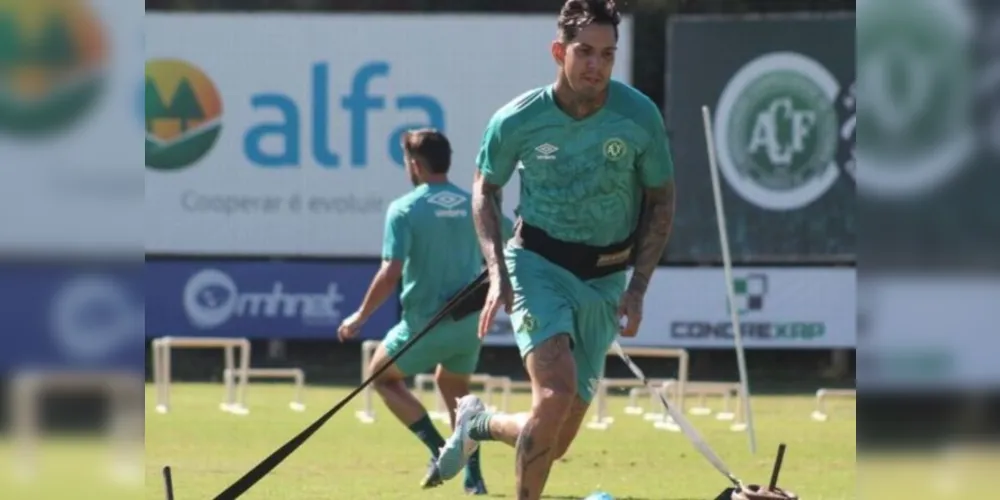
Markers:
{"x": 599, "y": 495}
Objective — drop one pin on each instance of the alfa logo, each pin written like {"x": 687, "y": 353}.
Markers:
{"x": 53, "y": 64}
{"x": 183, "y": 114}
{"x": 777, "y": 131}
{"x": 614, "y": 149}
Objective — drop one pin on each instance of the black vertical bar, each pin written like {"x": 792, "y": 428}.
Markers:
{"x": 777, "y": 467}
{"x": 168, "y": 482}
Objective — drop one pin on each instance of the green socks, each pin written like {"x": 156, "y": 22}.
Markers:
{"x": 473, "y": 474}
{"x": 479, "y": 430}
{"x": 425, "y": 430}
{"x": 479, "y": 427}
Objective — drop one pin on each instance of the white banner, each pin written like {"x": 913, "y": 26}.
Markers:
{"x": 800, "y": 308}
{"x": 69, "y": 138}
{"x": 278, "y": 133}
{"x": 929, "y": 332}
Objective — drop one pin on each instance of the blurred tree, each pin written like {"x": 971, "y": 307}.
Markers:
{"x": 56, "y": 48}
{"x": 185, "y": 105}
{"x": 10, "y": 42}
{"x": 155, "y": 108}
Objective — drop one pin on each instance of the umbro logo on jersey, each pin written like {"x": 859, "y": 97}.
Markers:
{"x": 594, "y": 385}
{"x": 546, "y": 152}
{"x": 446, "y": 199}
{"x": 448, "y": 202}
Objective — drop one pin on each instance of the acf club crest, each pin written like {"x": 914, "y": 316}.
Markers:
{"x": 614, "y": 149}
{"x": 778, "y": 133}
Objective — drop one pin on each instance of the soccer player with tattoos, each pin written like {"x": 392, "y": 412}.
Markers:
{"x": 597, "y": 195}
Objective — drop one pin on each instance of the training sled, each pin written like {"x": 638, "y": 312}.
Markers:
{"x": 757, "y": 492}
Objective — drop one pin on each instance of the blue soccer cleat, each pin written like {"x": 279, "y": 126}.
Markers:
{"x": 477, "y": 487}
{"x": 459, "y": 447}
{"x": 433, "y": 478}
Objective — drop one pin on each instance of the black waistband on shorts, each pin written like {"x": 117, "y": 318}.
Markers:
{"x": 585, "y": 261}
{"x": 474, "y": 299}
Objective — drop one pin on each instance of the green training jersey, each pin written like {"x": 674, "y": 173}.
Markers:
{"x": 581, "y": 180}
{"x": 430, "y": 229}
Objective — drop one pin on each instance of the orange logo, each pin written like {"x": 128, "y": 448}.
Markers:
{"x": 53, "y": 62}
{"x": 183, "y": 114}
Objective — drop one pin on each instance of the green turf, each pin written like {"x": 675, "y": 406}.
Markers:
{"x": 209, "y": 449}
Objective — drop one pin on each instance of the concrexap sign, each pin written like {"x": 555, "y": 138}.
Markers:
{"x": 930, "y": 331}
{"x": 289, "y": 144}
{"x": 782, "y": 95}
{"x": 279, "y": 300}
{"x": 802, "y": 308}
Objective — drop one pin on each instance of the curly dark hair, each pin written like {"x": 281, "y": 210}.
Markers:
{"x": 578, "y": 14}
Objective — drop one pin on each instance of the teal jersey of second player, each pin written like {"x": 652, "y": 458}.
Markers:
{"x": 430, "y": 229}
{"x": 581, "y": 179}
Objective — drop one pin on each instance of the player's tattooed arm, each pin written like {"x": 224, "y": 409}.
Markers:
{"x": 653, "y": 234}
{"x": 487, "y": 217}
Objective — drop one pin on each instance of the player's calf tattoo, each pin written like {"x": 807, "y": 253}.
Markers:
{"x": 526, "y": 455}
{"x": 530, "y": 460}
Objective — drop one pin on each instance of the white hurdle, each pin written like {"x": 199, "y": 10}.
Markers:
{"x": 162, "y": 373}
{"x": 296, "y": 374}
{"x": 633, "y": 407}
{"x": 126, "y": 421}
{"x": 491, "y": 384}
{"x": 728, "y": 391}
{"x": 424, "y": 382}
{"x": 366, "y": 414}
{"x": 602, "y": 419}
{"x": 502, "y": 385}
{"x": 701, "y": 390}
{"x": 820, "y": 414}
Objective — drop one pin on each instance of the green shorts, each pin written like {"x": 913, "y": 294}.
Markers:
{"x": 549, "y": 300}
{"x": 454, "y": 345}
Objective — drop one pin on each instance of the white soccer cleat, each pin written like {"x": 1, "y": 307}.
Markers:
{"x": 459, "y": 447}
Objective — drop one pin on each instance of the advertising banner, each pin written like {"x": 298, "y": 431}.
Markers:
{"x": 781, "y": 92}
{"x": 67, "y": 317}
{"x": 924, "y": 332}
{"x": 930, "y": 145}
{"x": 260, "y": 300}
{"x": 779, "y": 308}
{"x": 284, "y": 138}
{"x": 70, "y": 121}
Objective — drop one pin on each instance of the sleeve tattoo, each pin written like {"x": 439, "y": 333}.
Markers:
{"x": 653, "y": 234}
{"x": 486, "y": 215}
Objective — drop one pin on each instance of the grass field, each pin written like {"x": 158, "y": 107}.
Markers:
{"x": 209, "y": 449}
